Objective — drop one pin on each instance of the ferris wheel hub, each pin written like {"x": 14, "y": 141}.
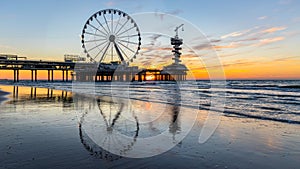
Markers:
{"x": 112, "y": 38}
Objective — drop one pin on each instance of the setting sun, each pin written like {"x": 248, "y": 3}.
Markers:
{"x": 149, "y": 77}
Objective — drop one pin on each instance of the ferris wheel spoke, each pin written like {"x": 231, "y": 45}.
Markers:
{"x": 104, "y": 117}
{"x": 96, "y": 46}
{"x": 122, "y": 26}
{"x": 102, "y": 26}
{"x": 104, "y": 140}
{"x": 117, "y": 116}
{"x": 128, "y": 36}
{"x": 95, "y": 34}
{"x": 119, "y": 52}
{"x": 120, "y": 49}
{"x": 112, "y": 52}
{"x": 96, "y": 40}
{"x": 118, "y": 142}
{"x": 104, "y": 53}
{"x": 112, "y": 21}
{"x": 109, "y": 120}
{"x": 126, "y": 47}
{"x": 106, "y": 23}
{"x": 126, "y": 31}
{"x": 117, "y": 23}
{"x": 96, "y": 28}
{"x": 135, "y": 43}
{"x": 99, "y": 52}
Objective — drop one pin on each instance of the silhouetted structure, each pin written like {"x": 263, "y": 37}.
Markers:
{"x": 109, "y": 46}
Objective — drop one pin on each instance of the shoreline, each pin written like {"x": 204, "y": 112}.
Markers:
{"x": 3, "y": 96}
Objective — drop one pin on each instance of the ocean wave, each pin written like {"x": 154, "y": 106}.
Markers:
{"x": 291, "y": 86}
{"x": 277, "y": 104}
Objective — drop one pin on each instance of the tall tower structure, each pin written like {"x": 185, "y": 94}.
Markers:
{"x": 177, "y": 42}
{"x": 177, "y": 70}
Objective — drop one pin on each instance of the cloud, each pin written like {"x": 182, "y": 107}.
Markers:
{"x": 292, "y": 34}
{"x": 155, "y": 48}
{"x": 175, "y": 12}
{"x": 248, "y": 39}
{"x": 286, "y": 58}
{"x": 262, "y": 17}
{"x": 215, "y": 40}
{"x": 230, "y": 46}
{"x": 162, "y": 14}
{"x": 203, "y": 46}
{"x": 252, "y": 37}
{"x": 274, "y": 29}
{"x": 296, "y": 20}
{"x": 155, "y": 37}
{"x": 269, "y": 40}
{"x": 252, "y": 34}
{"x": 285, "y": 2}
{"x": 110, "y": 3}
{"x": 233, "y": 34}
{"x": 225, "y": 65}
{"x": 229, "y": 55}
{"x": 239, "y": 63}
{"x": 237, "y": 33}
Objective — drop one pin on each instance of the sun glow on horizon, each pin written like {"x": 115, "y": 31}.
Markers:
{"x": 150, "y": 77}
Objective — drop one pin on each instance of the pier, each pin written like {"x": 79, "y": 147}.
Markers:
{"x": 108, "y": 58}
{"x": 79, "y": 70}
{"x": 102, "y": 75}
{"x": 15, "y": 64}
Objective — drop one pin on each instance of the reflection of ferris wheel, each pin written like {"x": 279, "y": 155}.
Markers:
{"x": 101, "y": 136}
{"x": 111, "y": 35}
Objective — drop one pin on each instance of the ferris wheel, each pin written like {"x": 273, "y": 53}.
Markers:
{"x": 111, "y": 35}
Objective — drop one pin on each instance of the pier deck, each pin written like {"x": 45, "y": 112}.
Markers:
{"x": 128, "y": 74}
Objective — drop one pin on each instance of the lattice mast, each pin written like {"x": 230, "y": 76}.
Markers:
{"x": 177, "y": 42}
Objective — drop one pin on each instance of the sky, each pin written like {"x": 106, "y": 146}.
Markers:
{"x": 252, "y": 39}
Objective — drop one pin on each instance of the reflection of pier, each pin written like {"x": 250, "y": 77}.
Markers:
{"x": 41, "y": 95}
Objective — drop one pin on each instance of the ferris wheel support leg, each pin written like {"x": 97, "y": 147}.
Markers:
{"x": 52, "y": 74}
{"x": 67, "y": 79}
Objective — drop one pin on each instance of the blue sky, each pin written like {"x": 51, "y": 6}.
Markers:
{"x": 40, "y": 24}
{"x": 47, "y": 29}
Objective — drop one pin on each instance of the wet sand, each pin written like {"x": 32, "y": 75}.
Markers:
{"x": 3, "y": 96}
{"x": 39, "y": 128}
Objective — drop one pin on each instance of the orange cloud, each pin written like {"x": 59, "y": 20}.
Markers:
{"x": 230, "y": 46}
{"x": 237, "y": 33}
{"x": 269, "y": 40}
{"x": 274, "y": 29}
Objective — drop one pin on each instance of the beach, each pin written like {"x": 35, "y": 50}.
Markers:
{"x": 41, "y": 128}
{"x": 3, "y": 96}
{"x": 150, "y": 85}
